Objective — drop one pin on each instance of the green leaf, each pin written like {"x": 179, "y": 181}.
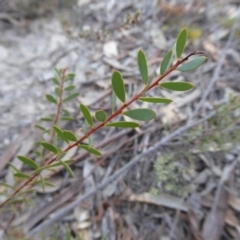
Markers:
{"x": 177, "y": 86}
{"x": 181, "y": 42}
{"x": 123, "y": 124}
{"x": 142, "y": 66}
{"x": 58, "y": 71}
{"x": 90, "y": 149}
{"x": 155, "y": 100}
{"x": 50, "y": 98}
{"x": 70, "y": 76}
{"x": 21, "y": 175}
{"x": 86, "y": 113}
{"x": 58, "y": 131}
{"x": 69, "y": 88}
{"x": 58, "y": 91}
{"x": 66, "y": 112}
{"x": 55, "y": 80}
{"x": 49, "y": 147}
{"x": 118, "y": 85}
{"x": 101, "y": 116}
{"x": 141, "y": 114}
{"x": 67, "y": 168}
{"x": 28, "y": 162}
{"x": 40, "y": 127}
{"x": 192, "y": 64}
{"x": 46, "y": 119}
{"x": 66, "y": 119}
{"x": 166, "y": 62}
{"x": 70, "y": 97}
{"x": 69, "y": 136}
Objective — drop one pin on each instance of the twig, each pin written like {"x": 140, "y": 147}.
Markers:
{"x": 58, "y": 215}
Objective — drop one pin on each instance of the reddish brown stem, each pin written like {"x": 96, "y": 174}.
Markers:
{"x": 113, "y": 115}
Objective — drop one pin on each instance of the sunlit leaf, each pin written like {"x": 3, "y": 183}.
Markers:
{"x": 70, "y": 97}
{"x": 49, "y": 147}
{"x": 123, "y": 124}
{"x": 86, "y": 113}
{"x": 177, "y": 86}
{"x": 90, "y": 149}
{"x": 69, "y": 136}
{"x": 181, "y": 42}
{"x": 166, "y": 62}
{"x": 58, "y": 71}
{"x": 50, "y": 98}
{"x": 21, "y": 175}
{"x": 192, "y": 64}
{"x": 13, "y": 167}
{"x": 155, "y": 100}
{"x": 101, "y": 116}
{"x": 69, "y": 88}
{"x": 118, "y": 85}
{"x": 6, "y": 185}
{"x": 142, "y": 66}
{"x": 28, "y": 162}
{"x": 141, "y": 114}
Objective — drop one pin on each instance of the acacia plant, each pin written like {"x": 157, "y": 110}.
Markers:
{"x": 51, "y": 155}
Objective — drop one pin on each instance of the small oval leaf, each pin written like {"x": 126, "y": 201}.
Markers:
{"x": 118, "y": 85}
{"x": 50, "y": 98}
{"x": 142, "y": 66}
{"x": 177, "y": 86}
{"x": 123, "y": 124}
{"x": 28, "y": 162}
{"x": 69, "y": 136}
{"x": 166, "y": 62}
{"x": 191, "y": 65}
{"x": 55, "y": 80}
{"x": 90, "y": 149}
{"x": 70, "y": 97}
{"x": 66, "y": 119}
{"x": 181, "y": 42}
{"x": 141, "y": 114}
{"x": 58, "y": 91}
{"x": 101, "y": 116}
{"x": 49, "y": 147}
{"x": 86, "y": 113}
{"x": 155, "y": 100}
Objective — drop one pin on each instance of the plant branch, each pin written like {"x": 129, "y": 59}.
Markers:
{"x": 113, "y": 115}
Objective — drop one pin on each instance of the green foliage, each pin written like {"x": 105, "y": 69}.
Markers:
{"x": 166, "y": 62}
{"x": 177, "y": 86}
{"x": 123, "y": 124}
{"x": 86, "y": 113}
{"x": 118, "y": 86}
{"x": 155, "y": 100}
{"x": 50, "y": 153}
{"x": 192, "y": 64}
{"x": 142, "y": 66}
{"x": 101, "y": 116}
{"x": 181, "y": 42}
{"x": 142, "y": 114}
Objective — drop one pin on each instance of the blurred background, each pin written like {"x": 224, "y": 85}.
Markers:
{"x": 187, "y": 188}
